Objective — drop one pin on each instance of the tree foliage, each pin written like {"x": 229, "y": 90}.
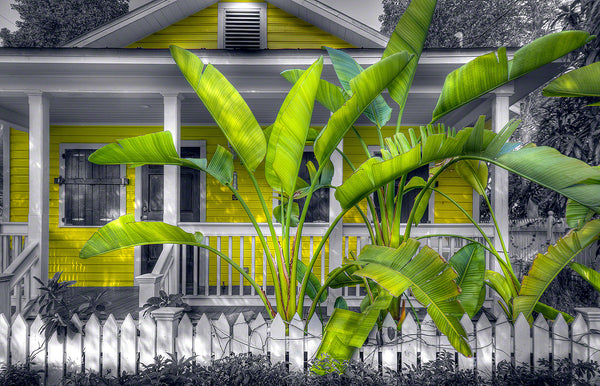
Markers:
{"x": 51, "y": 23}
{"x": 482, "y": 23}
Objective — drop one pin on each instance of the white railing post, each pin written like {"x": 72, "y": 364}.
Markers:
{"x": 5, "y": 295}
{"x": 39, "y": 177}
{"x": 336, "y": 238}
{"x": 149, "y": 286}
{"x": 167, "y": 321}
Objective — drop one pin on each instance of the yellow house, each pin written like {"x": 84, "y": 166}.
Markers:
{"x": 118, "y": 81}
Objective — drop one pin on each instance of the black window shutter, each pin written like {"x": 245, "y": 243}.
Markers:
{"x": 91, "y": 195}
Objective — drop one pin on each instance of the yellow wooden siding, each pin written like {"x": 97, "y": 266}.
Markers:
{"x": 199, "y": 30}
{"x": 19, "y": 175}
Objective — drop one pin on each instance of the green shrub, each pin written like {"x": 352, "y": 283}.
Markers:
{"x": 18, "y": 375}
{"x": 247, "y": 369}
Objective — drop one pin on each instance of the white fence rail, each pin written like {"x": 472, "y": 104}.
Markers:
{"x": 13, "y": 237}
{"x": 113, "y": 347}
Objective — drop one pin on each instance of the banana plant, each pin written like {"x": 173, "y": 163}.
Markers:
{"x": 280, "y": 146}
{"x": 461, "y": 281}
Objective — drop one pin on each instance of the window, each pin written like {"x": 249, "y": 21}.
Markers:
{"x": 409, "y": 198}
{"x": 90, "y": 194}
{"x": 318, "y": 210}
{"x": 242, "y": 26}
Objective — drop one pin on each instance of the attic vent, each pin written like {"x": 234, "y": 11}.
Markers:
{"x": 242, "y": 26}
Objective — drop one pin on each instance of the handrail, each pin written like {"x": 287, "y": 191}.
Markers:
{"x": 246, "y": 228}
{"x": 164, "y": 260}
{"x": 464, "y": 230}
{"x": 13, "y": 228}
{"x": 20, "y": 265}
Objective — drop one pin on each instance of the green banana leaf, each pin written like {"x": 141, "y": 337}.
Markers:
{"x": 125, "y": 232}
{"x": 158, "y": 149}
{"x": 346, "y": 69}
{"x": 577, "y": 215}
{"x": 543, "y": 165}
{"x": 341, "y": 303}
{"x": 490, "y": 71}
{"x": 469, "y": 264}
{"x": 428, "y": 275}
{"x": 366, "y": 86}
{"x": 545, "y": 267}
{"x": 584, "y": 81}
{"x": 344, "y": 279}
{"x": 409, "y": 35}
{"x": 289, "y": 132}
{"x": 225, "y": 105}
{"x": 551, "y": 313}
{"x": 347, "y": 330}
{"x": 314, "y": 285}
{"x": 418, "y": 182}
{"x": 590, "y": 275}
{"x": 329, "y": 95}
{"x": 295, "y": 217}
{"x": 474, "y": 172}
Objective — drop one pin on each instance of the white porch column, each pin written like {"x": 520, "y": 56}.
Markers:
{"x": 500, "y": 117}
{"x": 171, "y": 186}
{"x": 172, "y": 123}
{"x": 336, "y": 241}
{"x": 39, "y": 180}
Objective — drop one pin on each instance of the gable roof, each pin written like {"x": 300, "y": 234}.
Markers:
{"x": 159, "y": 14}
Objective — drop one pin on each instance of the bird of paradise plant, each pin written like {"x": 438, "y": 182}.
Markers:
{"x": 395, "y": 262}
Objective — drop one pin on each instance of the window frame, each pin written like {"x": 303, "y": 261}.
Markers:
{"x": 262, "y": 7}
{"x": 63, "y": 147}
{"x": 430, "y": 206}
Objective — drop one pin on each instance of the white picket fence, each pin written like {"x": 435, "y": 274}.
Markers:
{"x": 113, "y": 347}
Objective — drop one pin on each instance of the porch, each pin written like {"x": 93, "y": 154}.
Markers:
{"x": 54, "y": 87}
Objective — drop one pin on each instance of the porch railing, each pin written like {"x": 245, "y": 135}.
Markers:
{"x": 19, "y": 263}
{"x": 205, "y": 279}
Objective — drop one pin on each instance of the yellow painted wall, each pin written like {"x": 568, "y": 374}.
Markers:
{"x": 200, "y": 31}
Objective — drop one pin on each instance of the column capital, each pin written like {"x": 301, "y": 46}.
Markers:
{"x": 177, "y": 95}
{"x": 504, "y": 90}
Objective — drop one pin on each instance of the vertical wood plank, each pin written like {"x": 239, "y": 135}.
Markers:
{"x": 37, "y": 345}
{"x": 465, "y": 363}
{"x": 296, "y": 344}
{"x": 221, "y": 337}
{"x": 484, "y": 346}
{"x": 370, "y": 349}
{"x": 56, "y": 362}
{"x": 4, "y": 340}
{"x": 522, "y": 342}
{"x": 503, "y": 339}
{"x": 389, "y": 350}
{"x": 258, "y": 335}
{"x": 541, "y": 340}
{"x": 185, "y": 338}
{"x": 202, "y": 340}
{"x": 313, "y": 339}
{"x": 428, "y": 340}
{"x": 110, "y": 347}
{"x": 241, "y": 336}
{"x": 561, "y": 344}
{"x": 147, "y": 344}
{"x": 73, "y": 348}
{"x": 409, "y": 341}
{"x": 18, "y": 340}
{"x": 276, "y": 340}
{"x": 128, "y": 345}
{"x": 580, "y": 337}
